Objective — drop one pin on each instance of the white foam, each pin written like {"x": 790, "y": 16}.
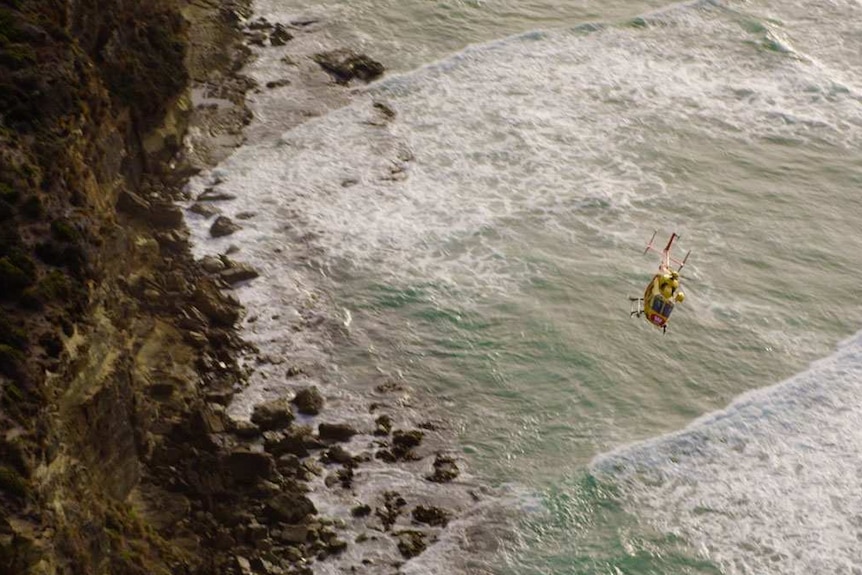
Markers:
{"x": 772, "y": 484}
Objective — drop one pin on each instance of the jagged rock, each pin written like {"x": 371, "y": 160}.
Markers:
{"x": 384, "y": 425}
{"x": 344, "y": 65}
{"x": 274, "y": 414}
{"x": 165, "y": 214}
{"x": 411, "y": 543}
{"x": 297, "y": 440}
{"x": 289, "y": 508}
{"x": 433, "y": 516}
{"x": 391, "y": 508}
{"x": 132, "y": 204}
{"x": 249, "y": 466}
{"x": 211, "y": 195}
{"x": 308, "y": 401}
{"x": 238, "y": 272}
{"x": 403, "y": 440}
{"x": 214, "y": 307}
{"x": 445, "y": 469}
{"x": 223, "y": 226}
{"x": 336, "y": 431}
{"x": 337, "y": 454}
{"x": 280, "y": 36}
{"x": 293, "y": 534}
{"x": 204, "y": 209}
{"x": 361, "y": 510}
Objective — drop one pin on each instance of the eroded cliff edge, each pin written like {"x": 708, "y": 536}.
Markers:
{"x": 115, "y": 350}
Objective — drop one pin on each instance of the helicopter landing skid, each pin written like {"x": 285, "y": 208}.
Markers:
{"x": 637, "y": 306}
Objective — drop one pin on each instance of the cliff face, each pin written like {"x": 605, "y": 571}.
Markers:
{"x": 114, "y": 351}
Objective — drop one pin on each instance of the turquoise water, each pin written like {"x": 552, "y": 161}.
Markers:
{"x": 537, "y": 148}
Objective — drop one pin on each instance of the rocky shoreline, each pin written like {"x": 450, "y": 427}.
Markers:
{"x": 119, "y": 352}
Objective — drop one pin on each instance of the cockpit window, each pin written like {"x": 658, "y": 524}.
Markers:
{"x": 657, "y": 303}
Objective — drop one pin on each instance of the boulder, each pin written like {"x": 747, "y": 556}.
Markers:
{"x": 335, "y": 431}
{"x": 249, "y": 467}
{"x": 223, "y": 226}
{"x": 289, "y": 508}
{"x": 344, "y": 65}
{"x": 275, "y": 414}
{"x": 308, "y": 401}
{"x": 445, "y": 469}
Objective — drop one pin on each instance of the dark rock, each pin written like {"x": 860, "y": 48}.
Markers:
{"x": 411, "y": 543}
{"x": 384, "y": 425}
{"x": 275, "y": 414}
{"x": 344, "y": 65}
{"x": 244, "y": 429}
{"x": 336, "y": 545}
{"x": 433, "y": 516}
{"x": 289, "y": 508}
{"x": 213, "y": 306}
{"x": 335, "y": 431}
{"x": 280, "y": 36}
{"x": 210, "y": 195}
{"x": 405, "y": 440}
{"x": 445, "y": 469}
{"x": 308, "y": 401}
{"x": 361, "y": 510}
{"x": 133, "y": 204}
{"x": 165, "y": 214}
{"x": 204, "y": 209}
{"x": 223, "y": 226}
{"x": 238, "y": 273}
{"x": 391, "y": 508}
{"x": 337, "y": 454}
{"x": 249, "y": 466}
{"x": 298, "y": 439}
{"x": 212, "y": 264}
{"x": 293, "y": 534}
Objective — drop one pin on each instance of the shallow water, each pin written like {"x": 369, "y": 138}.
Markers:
{"x": 481, "y": 247}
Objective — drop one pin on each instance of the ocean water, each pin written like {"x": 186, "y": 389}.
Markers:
{"x": 476, "y": 252}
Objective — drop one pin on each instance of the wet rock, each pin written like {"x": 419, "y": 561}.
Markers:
{"x": 337, "y": 454}
{"x": 344, "y": 65}
{"x": 211, "y": 195}
{"x": 279, "y": 36}
{"x": 335, "y": 431}
{"x": 289, "y": 508}
{"x": 223, "y": 226}
{"x": 411, "y": 543}
{"x": 308, "y": 401}
{"x": 403, "y": 441}
{"x": 213, "y": 306}
{"x": 391, "y": 508}
{"x": 204, "y": 209}
{"x": 384, "y": 425}
{"x": 361, "y": 510}
{"x": 244, "y": 429}
{"x": 445, "y": 469}
{"x": 212, "y": 264}
{"x": 275, "y": 414}
{"x": 335, "y": 545}
{"x": 237, "y": 273}
{"x": 433, "y": 516}
{"x": 297, "y": 439}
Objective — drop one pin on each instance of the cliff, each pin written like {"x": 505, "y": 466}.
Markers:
{"x": 116, "y": 352}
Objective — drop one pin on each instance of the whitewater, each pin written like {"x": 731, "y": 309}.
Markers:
{"x": 471, "y": 225}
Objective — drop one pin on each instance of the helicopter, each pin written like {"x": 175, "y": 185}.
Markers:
{"x": 663, "y": 291}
